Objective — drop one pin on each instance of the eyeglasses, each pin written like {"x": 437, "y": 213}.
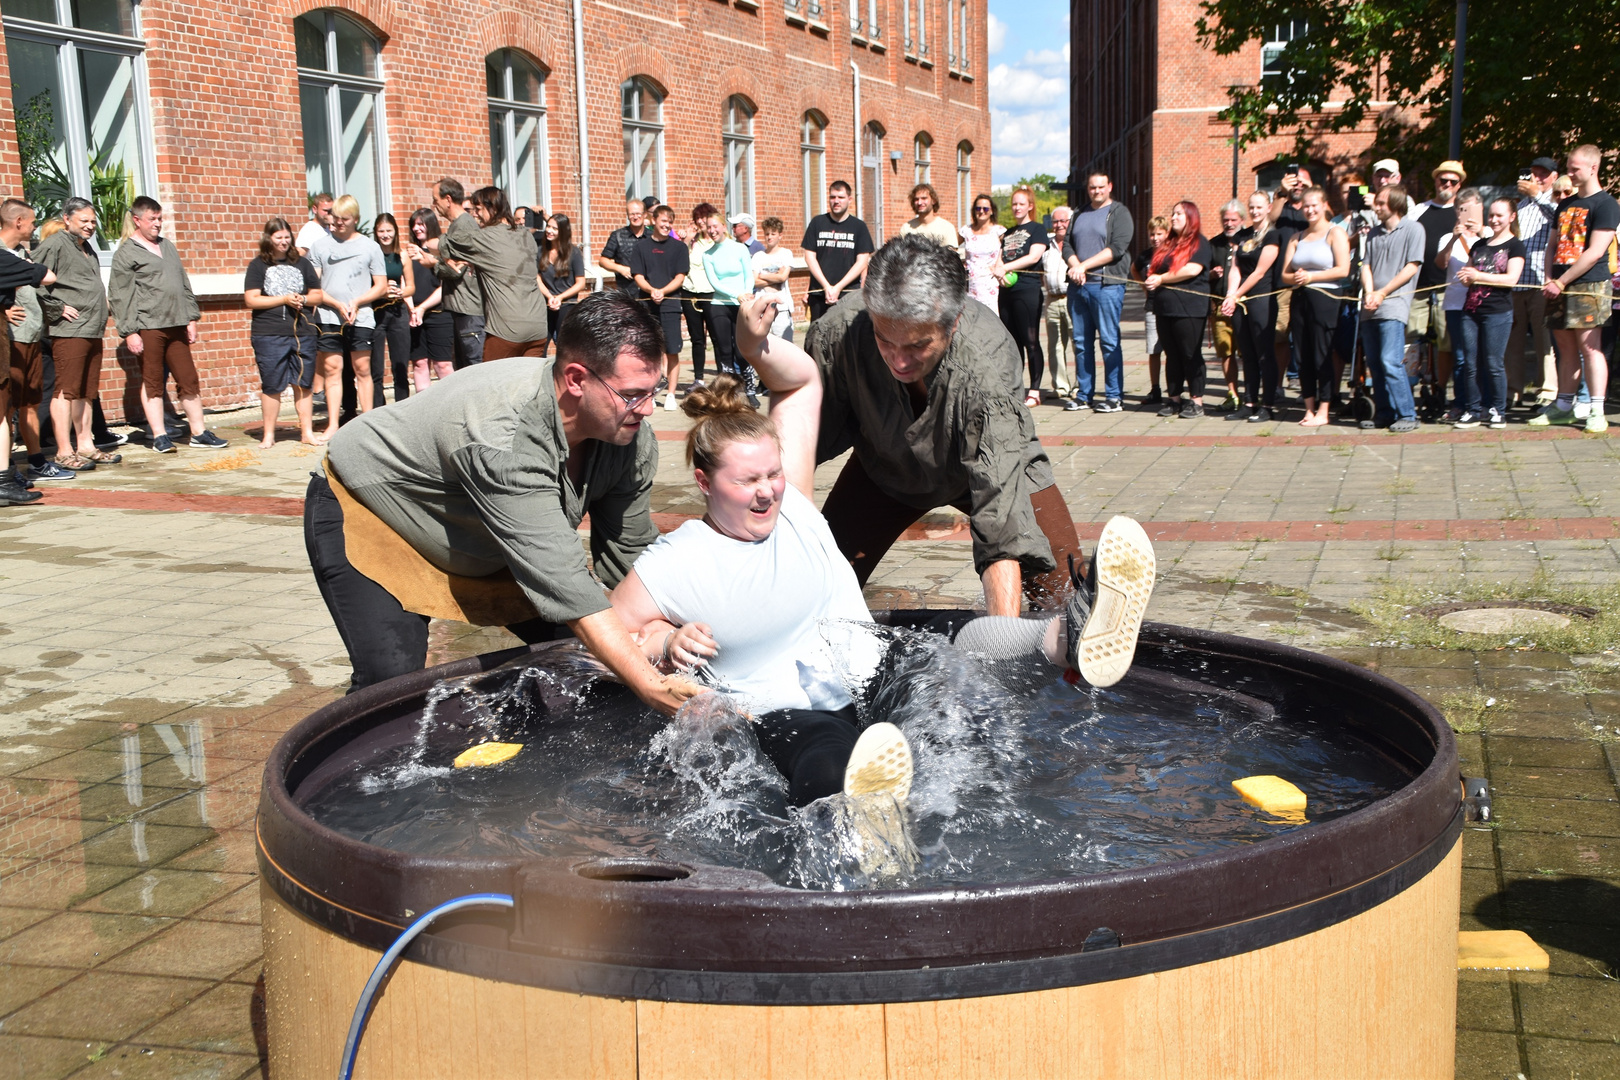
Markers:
{"x": 1448, "y": 181}
{"x": 631, "y": 404}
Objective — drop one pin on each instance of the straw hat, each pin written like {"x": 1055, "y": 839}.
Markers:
{"x": 1451, "y": 167}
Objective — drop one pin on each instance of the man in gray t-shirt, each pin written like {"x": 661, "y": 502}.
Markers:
{"x": 1388, "y": 278}
{"x": 352, "y": 277}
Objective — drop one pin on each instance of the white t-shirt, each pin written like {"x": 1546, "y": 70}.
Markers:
{"x": 773, "y": 262}
{"x": 1456, "y": 292}
{"x": 311, "y": 232}
{"x": 763, "y": 600}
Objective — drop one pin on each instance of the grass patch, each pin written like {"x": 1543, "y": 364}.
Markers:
{"x": 1402, "y": 486}
{"x": 1465, "y": 710}
{"x": 1395, "y": 620}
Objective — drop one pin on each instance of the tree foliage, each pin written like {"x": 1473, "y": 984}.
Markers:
{"x": 1536, "y": 79}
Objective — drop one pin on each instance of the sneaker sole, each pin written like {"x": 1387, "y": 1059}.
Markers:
{"x": 1125, "y": 569}
{"x": 880, "y": 764}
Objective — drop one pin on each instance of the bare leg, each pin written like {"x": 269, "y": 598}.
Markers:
{"x": 332, "y": 372}
{"x": 1153, "y": 370}
{"x": 419, "y": 375}
{"x": 443, "y": 369}
{"x": 363, "y": 390}
{"x": 28, "y": 427}
{"x": 62, "y": 421}
{"x": 81, "y": 422}
{"x": 304, "y": 405}
{"x": 270, "y": 409}
{"x": 192, "y": 407}
{"x": 152, "y": 406}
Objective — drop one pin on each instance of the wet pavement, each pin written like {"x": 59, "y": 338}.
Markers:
{"x": 159, "y": 630}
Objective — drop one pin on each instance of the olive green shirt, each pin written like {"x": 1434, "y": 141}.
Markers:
{"x": 150, "y": 290}
{"x": 78, "y": 284}
{"x": 973, "y": 442}
{"x": 508, "y": 264}
{"x": 462, "y": 293}
{"x": 474, "y": 476}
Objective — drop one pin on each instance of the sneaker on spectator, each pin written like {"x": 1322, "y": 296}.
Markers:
{"x": 1552, "y": 414}
{"x": 49, "y": 471}
{"x": 1466, "y": 419}
{"x": 1071, "y": 405}
{"x": 1192, "y": 410}
{"x": 162, "y": 445}
{"x": 1596, "y": 422}
{"x": 208, "y": 441}
{"x": 1260, "y": 415}
{"x": 1109, "y": 405}
{"x": 12, "y": 491}
{"x": 1231, "y": 403}
{"x": 1581, "y": 409}
{"x": 1496, "y": 420}
{"x": 1401, "y": 427}
{"x": 110, "y": 440}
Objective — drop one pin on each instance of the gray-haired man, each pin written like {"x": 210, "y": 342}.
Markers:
{"x": 927, "y": 390}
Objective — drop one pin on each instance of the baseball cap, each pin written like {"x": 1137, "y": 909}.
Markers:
{"x": 743, "y": 219}
{"x": 650, "y": 202}
{"x": 1451, "y": 167}
{"x": 1388, "y": 164}
{"x": 1545, "y": 163}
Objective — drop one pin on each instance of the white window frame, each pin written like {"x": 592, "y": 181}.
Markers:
{"x": 1281, "y": 35}
{"x": 737, "y": 149}
{"x": 867, "y": 31}
{"x": 647, "y": 93}
{"x": 922, "y": 151}
{"x": 510, "y": 109}
{"x": 916, "y": 29}
{"x": 872, "y": 182}
{"x": 68, "y": 40}
{"x": 958, "y": 39}
{"x": 813, "y": 163}
{"x": 332, "y": 83}
{"x": 964, "y": 182}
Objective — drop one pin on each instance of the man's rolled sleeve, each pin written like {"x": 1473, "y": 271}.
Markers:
{"x": 621, "y": 520}
{"x": 1002, "y": 519}
{"x": 520, "y": 507}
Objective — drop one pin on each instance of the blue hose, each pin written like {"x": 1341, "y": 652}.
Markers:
{"x": 362, "y": 1008}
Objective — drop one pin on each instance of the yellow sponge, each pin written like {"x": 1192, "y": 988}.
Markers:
{"x": 1274, "y": 795}
{"x": 490, "y": 753}
{"x": 1511, "y": 950}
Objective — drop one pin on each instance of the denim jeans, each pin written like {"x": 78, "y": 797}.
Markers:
{"x": 1484, "y": 339}
{"x": 1094, "y": 312}
{"x": 1385, "y": 343}
{"x": 1465, "y": 365}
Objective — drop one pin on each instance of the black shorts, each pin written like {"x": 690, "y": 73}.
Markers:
{"x": 284, "y": 361}
{"x": 345, "y": 339}
{"x": 671, "y": 321}
{"x": 434, "y": 340}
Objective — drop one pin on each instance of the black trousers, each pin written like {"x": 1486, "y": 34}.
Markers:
{"x": 382, "y": 638}
{"x": 1182, "y": 338}
{"x": 692, "y": 305}
{"x": 1313, "y": 316}
{"x": 721, "y": 320}
{"x": 816, "y": 301}
{"x": 1255, "y": 330}
{"x": 394, "y": 331}
{"x": 809, "y": 747}
{"x": 1021, "y": 315}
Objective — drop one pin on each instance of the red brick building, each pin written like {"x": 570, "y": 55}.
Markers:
{"x": 1144, "y": 105}
{"x": 230, "y": 112}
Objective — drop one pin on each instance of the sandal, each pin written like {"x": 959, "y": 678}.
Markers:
{"x": 1031, "y": 400}
{"x": 102, "y": 457}
{"x": 70, "y": 460}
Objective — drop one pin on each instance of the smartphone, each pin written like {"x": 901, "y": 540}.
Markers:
{"x": 1292, "y": 170}
{"x": 1357, "y": 200}
{"x": 1526, "y": 174}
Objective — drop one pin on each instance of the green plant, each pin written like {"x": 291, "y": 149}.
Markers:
{"x": 45, "y": 185}
{"x": 112, "y": 189}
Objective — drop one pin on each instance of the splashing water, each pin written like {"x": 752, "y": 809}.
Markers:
{"x": 1010, "y": 785}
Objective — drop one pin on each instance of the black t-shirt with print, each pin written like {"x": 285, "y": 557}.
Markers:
{"x": 1016, "y": 242}
{"x": 1223, "y": 245}
{"x": 837, "y": 244}
{"x": 620, "y": 243}
{"x": 1489, "y": 258}
{"x": 1186, "y": 299}
{"x": 1249, "y": 250}
{"x": 1438, "y": 222}
{"x": 1289, "y": 222}
{"x": 1578, "y": 218}
{"x": 660, "y": 261}
{"x": 1143, "y": 258}
{"x": 285, "y": 278}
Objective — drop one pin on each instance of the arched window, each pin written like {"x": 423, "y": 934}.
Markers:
{"x": 642, "y": 109}
{"x": 340, "y": 95}
{"x": 737, "y": 139}
{"x": 872, "y": 179}
{"x": 964, "y": 182}
{"x": 78, "y": 91}
{"x": 518, "y": 152}
{"x": 813, "y": 163}
{"x": 922, "y": 149}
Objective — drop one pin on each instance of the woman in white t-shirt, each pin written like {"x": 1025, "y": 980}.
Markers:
{"x": 743, "y": 593}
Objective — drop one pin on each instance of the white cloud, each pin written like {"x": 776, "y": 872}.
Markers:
{"x": 998, "y": 35}
{"x": 1047, "y": 58}
{"x": 1029, "y": 141}
{"x": 1019, "y": 87}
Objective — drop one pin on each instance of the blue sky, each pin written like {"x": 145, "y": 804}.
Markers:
{"x": 1029, "y": 88}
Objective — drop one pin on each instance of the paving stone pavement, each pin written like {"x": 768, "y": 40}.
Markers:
{"x": 159, "y": 630}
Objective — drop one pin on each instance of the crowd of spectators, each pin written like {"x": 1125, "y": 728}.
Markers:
{"x": 1460, "y": 308}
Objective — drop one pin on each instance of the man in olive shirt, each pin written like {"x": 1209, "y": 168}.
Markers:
{"x": 463, "y": 293}
{"x": 927, "y": 390}
{"x": 76, "y": 347}
{"x": 475, "y": 491}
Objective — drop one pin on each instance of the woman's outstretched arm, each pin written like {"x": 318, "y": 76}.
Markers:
{"x": 791, "y": 375}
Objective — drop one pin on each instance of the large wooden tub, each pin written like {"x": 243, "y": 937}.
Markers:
{"x": 1328, "y": 951}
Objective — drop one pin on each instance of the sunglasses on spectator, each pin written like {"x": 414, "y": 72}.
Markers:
{"x": 983, "y": 209}
{"x": 1449, "y": 181}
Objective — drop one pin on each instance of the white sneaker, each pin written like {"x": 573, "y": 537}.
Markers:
{"x": 1581, "y": 409}
{"x": 669, "y": 401}
{"x": 877, "y": 782}
{"x": 1106, "y": 610}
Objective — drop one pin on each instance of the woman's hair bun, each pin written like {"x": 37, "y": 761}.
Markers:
{"x": 723, "y": 394}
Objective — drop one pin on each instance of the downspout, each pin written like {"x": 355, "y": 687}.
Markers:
{"x": 860, "y": 182}
{"x": 584, "y": 138}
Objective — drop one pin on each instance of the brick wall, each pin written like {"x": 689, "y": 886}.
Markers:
{"x": 229, "y": 146}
